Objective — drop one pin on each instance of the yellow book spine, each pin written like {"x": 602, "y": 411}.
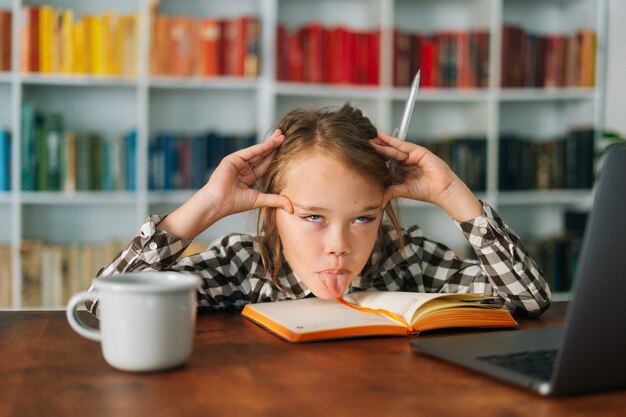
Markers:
{"x": 80, "y": 47}
{"x": 46, "y": 39}
{"x": 68, "y": 50}
{"x": 97, "y": 45}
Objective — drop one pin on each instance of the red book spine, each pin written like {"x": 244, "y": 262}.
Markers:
{"x": 374, "y": 58}
{"x": 281, "y": 53}
{"x": 312, "y": 39}
{"x": 294, "y": 56}
{"x": 429, "y": 54}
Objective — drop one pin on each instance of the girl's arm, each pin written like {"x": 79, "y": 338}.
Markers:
{"x": 504, "y": 265}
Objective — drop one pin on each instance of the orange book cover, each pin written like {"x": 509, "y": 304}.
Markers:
{"x": 375, "y": 313}
{"x": 159, "y": 45}
{"x": 181, "y": 45}
{"x": 5, "y": 40}
{"x": 587, "y": 58}
{"x": 211, "y": 42}
{"x": 29, "y": 39}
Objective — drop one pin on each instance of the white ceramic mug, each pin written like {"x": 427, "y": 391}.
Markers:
{"x": 147, "y": 319}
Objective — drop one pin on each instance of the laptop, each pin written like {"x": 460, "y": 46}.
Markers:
{"x": 588, "y": 352}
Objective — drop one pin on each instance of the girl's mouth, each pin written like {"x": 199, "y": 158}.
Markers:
{"x": 336, "y": 281}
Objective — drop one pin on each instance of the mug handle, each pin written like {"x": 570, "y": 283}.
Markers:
{"x": 77, "y": 324}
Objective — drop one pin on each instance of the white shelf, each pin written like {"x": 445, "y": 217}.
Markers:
{"x": 79, "y": 198}
{"x": 6, "y": 197}
{"x": 5, "y": 77}
{"x": 325, "y": 90}
{"x": 217, "y": 83}
{"x": 543, "y": 94}
{"x": 443, "y": 95}
{"x": 64, "y": 80}
{"x": 548, "y": 197}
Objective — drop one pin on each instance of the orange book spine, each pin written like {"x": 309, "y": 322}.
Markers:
{"x": 210, "y": 40}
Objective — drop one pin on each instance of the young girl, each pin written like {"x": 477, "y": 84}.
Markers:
{"x": 328, "y": 225}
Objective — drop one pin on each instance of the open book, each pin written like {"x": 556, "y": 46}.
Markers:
{"x": 371, "y": 313}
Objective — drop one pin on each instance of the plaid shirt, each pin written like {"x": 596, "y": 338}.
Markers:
{"x": 233, "y": 275}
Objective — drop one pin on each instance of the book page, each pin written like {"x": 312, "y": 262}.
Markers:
{"x": 314, "y": 315}
{"x": 404, "y": 304}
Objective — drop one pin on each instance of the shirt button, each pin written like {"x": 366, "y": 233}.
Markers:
{"x": 483, "y": 230}
{"x": 518, "y": 267}
{"x": 153, "y": 245}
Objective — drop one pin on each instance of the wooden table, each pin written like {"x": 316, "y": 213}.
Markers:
{"x": 239, "y": 369}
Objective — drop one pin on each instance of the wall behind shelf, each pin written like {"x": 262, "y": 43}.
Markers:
{"x": 615, "y": 114}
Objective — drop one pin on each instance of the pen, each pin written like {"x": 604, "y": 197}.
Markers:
{"x": 408, "y": 108}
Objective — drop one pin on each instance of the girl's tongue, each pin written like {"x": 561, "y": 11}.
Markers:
{"x": 335, "y": 282}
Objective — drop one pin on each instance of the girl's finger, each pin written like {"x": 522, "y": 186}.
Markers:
{"x": 389, "y": 152}
{"x": 401, "y": 145}
{"x": 274, "y": 200}
{"x": 262, "y": 148}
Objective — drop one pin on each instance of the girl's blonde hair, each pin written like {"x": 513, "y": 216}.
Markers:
{"x": 343, "y": 134}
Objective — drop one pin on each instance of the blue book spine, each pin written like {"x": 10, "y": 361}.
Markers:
{"x": 5, "y": 160}
{"x": 131, "y": 160}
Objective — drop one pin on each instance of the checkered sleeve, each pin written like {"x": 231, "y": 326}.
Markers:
{"x": 231, "y": 270}
{"x": 152, "y": 249}
{"x": 503, "y": 268}
{"x": 508, "y": 268}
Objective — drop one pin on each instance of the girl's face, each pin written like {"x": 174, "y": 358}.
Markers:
{"x": 331, "y": 234}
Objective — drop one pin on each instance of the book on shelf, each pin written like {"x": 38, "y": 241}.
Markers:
{"x": 6, "y": 276}
{"x": 55, "y": 158}
{"x": 466, "y": 156}
{"x": 452, "y": 59}
{"x": 53, "y": 40}
{"x": 178, "y": 161}
{"x": 5, "y": 39}
{"x": 52, "y": 273}
{"x": 5, "y": 159}
{"x": 565, "y": 162}
{"x": 318, "y": 54}
{"x": 376, "y": 313}
{"x": 190, "y": 46}
{"x": 553, "y": 60}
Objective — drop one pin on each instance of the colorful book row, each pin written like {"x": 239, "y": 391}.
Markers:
{"x": 184, "y": 46}
{"x": 336, "y": 55}
{"x": 457, "y": 59}
{"x": 563, "y": 163}
{"x": 57, "y": 159}
{"x": 53, "y": 41}
{"x": 186, "y": 162}
{"x": 555, "y": 60}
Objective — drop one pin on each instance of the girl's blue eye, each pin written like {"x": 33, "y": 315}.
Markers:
{"x": 363, "y": 219}
{"x": 314, "y": 218}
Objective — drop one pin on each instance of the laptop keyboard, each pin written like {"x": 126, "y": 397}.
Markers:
{"x": 536, "y": 363}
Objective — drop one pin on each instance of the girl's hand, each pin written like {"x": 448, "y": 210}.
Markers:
{"x": 228, "y": 191}
{"x": 427, "y": 178}
{"x": 231, "y": 184}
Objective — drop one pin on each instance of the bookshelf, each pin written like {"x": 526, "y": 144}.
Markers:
{"x": 245, "y": 105}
